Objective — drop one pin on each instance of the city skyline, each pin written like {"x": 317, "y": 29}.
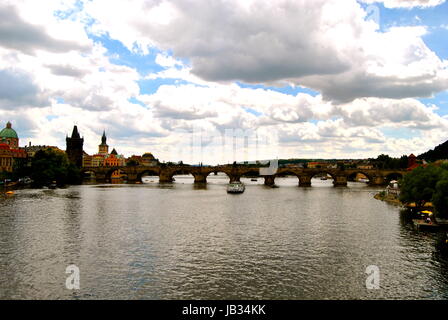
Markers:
{"x": 232, "y": 158}
{"x": 103, "y": 150}
{"x": 322, "y": 80}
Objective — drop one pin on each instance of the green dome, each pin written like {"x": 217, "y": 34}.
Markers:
{"x": 8, "y": 132}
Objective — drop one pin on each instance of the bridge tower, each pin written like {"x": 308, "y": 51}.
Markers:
{"x": 103, "y": 148}
{"x": 74, "y": 147}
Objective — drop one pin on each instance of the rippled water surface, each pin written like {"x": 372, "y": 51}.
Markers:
{"x": 179, "y": 241}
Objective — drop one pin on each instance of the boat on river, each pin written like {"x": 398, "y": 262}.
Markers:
{"x": 421, "y": 224}
{"x": 235, "y": 187}
{"x": 426, "y": 221}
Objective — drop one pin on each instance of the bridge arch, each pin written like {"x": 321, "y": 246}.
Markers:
{"x": 352, "y": 175}
{"x": 183, "y": 172}
{"x": 147, "y": 173}
{"x": 217, "y": 178}
{"x": 393, "y": 176}
{"x": 252, "y": 172}
{"x": 252, "y": 176}
{"x": 115, "y": 172}
{"x": 322, "y": 174}
{"x": 284, "y": 174}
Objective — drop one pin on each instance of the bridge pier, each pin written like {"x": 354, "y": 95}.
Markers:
{"x": 100, "y": 177}
{"x": 377, "y": 181}
{"x": 304, "y": 181}
{"x": 200, "y": 178}
{"x": 133, "y": 177}
{"x": 340, "y": 181}
{"x": 165, "y": 178}
{"x": 269, "y": 180}
{"x": 235, "y": 178}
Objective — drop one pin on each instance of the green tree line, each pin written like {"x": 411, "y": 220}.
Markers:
{"x": 48, "y": 166}
{"x": 427, "y": 184}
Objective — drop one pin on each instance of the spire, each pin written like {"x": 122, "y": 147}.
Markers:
{"x": 8, "y": 125}
{"x": 75, "y": 133}
{"x": 103, "y": 138}
{"x": 114, "y": 152}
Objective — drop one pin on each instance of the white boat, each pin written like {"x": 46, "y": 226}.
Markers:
{"x": 235, "y": 187}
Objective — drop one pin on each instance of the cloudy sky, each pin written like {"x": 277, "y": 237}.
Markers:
{"x": 299, "y": 78}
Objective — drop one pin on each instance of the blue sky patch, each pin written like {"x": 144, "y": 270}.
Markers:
{"x": 120, "y": 55}
{"x": 293, "y": 91}
{"x": 252, "y": 111}
{"x": 136, "y": 101}
{"x": 400, "y": 133}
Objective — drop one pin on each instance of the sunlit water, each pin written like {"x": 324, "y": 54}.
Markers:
{"x": 179, "y": 241}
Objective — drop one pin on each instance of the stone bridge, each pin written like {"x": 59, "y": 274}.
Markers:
{"x": 235, "y": 172}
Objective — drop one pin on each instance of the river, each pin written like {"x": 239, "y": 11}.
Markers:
{"x": 180, "y": 241}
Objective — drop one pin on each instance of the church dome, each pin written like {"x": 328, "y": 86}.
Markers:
{"x": 8, "y": 132}
{"x": 148, "y": 155}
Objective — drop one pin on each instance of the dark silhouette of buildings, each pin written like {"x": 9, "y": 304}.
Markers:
{"x": 74, "y": 148}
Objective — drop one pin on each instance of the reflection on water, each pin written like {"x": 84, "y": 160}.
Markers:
{"x": 183, "y": 241}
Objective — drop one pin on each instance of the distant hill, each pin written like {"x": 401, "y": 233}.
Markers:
{"x": 439, "y": 152}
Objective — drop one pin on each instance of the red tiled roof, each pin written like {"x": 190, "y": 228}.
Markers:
{"x": 416, "y": 165}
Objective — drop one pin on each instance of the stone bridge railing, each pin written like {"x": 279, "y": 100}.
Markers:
{"x": 235, "y": 172}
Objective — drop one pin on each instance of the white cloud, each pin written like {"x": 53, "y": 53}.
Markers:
{"x": 18, "y": 89}
{"x": 28, "y": 37}
{"x": 407, "y": 3}
{"x": 301, "y": 121}
{"x": 165, "y": 60}
{"x": 324, "y": 45}
{"x": 60, "y": 78}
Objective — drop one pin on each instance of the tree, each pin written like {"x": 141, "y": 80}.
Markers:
{"x": 20, "y": 169}
{"x": 5, "y": 175}
{"x": 440, "y": 197}
{"x": 403, "y": 162}
{"x": 49, "y": 165}
{"x": 439, "y": 152}
{"x": 420, "y": 184}
{"x": 383, "y": 161}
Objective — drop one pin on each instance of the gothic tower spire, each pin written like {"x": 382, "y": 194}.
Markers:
{"x": 103, "y": 148}
{"x": 74, "y": 148}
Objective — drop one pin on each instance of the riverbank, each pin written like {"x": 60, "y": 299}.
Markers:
{"x": 388, "y": 198}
